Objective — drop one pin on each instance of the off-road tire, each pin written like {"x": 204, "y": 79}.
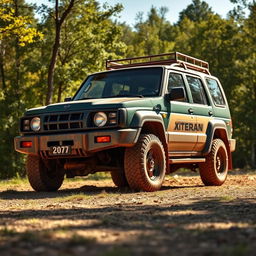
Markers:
{"x": 145, "y": 164}
{"x": 215, "y": 169}
{"x": 119, "y": 179}
{"x": 41, "y": 177}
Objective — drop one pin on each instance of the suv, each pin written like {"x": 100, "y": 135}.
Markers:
{"x": 141, "y": 119}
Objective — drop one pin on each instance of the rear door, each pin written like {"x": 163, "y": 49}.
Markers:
{"x": 182, "y": 137}
{"x": 201, "y": 108}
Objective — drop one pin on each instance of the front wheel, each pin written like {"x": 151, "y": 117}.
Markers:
{"x": 145, "y": 164}
{"x": 42, "y": 175}
{"x": 215, "y": 169}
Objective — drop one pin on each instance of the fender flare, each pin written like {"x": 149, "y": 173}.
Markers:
{"x": 214, "y": 125}
{"x": 141, "y": 117}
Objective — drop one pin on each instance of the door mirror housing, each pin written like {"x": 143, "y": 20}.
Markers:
{"x": 177, "y": 94}
{"x": 68, "y": 99}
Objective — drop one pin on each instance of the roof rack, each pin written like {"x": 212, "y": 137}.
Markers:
{"x": 179, "y": 59}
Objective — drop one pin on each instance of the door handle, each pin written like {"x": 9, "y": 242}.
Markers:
{"x": 190, "y": 111}
{"x": 210, "y": 113}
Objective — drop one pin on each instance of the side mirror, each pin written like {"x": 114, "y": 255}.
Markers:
{"x": 68, "y": 99}
{"x": 177, "y": 94}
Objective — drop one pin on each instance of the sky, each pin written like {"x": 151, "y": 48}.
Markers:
{"x": 132, "y": 7}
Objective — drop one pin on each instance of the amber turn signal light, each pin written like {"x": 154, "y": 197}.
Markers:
{"x": 26, "y": 144}
{"x": 103, "y": 139}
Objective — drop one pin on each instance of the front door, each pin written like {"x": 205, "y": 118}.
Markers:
{"x": 182, "y": 129}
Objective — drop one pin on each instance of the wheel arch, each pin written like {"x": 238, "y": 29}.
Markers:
{"x": 157, "y": 128}
{"x": 151, "y": 122}
{"x": 217, "y": 130}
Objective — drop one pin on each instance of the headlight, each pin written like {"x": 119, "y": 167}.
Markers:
{"x": 35, "y": 124}
{"x": 100, "y": 119}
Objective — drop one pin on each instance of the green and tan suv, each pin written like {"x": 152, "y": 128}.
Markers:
{"x": 141, "y": 119}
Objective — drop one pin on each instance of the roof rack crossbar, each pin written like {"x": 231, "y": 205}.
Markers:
{"x": 160, "y": 59}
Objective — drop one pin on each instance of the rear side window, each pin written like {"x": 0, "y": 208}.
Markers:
{"x": 215, "y": 92}
{"x": 197, "y": 90}
{"x": 176, "y": 80}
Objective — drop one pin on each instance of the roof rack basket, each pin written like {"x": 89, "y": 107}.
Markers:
{"x": 177, "y": 58}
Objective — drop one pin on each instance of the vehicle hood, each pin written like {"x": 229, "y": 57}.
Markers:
{"x": 92, "y": 104}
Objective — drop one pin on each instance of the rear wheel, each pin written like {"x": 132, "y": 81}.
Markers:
{"x": 145, "y": 164}
{"x": 119, "y": 179}
{"x": 214, "y": 171}
{"x": 42, "y": 175}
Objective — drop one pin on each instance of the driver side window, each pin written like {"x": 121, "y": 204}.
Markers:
{"x": 176, "y": 81}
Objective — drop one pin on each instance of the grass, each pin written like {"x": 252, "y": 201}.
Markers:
{"x": 95, "y": 176}
{"x": 7, "y": 232}
{"x": 77, "y": 239}
{"x": 73, "y": 197}
{"x": 117, "y": 251}
{"x": 227, "y": 198}
{"x": 23, "y": 180}
{"x": 237, "y": 250}
{"x": 14, "y": 181}
{"x": 99, "y": 176}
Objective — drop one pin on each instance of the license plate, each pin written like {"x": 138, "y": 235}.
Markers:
{"x": 61, "y": 150}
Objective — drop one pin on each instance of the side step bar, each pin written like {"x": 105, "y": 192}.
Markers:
{"x": 186, "y": 160}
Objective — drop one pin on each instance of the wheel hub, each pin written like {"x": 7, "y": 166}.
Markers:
{"x": 218, "y": 163}
{"x": 151, "y": 166}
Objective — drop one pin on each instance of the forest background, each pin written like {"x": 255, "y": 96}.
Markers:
{"x": 43, "y": 60}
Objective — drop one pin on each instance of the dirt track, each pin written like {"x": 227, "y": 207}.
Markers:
{"x": 95, "y": 218}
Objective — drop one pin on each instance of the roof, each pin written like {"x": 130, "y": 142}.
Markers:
{"x": 174, "y": 59}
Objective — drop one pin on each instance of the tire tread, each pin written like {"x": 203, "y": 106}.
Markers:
{"x": 134, "y": 160}
{"x": 207, "y": 169}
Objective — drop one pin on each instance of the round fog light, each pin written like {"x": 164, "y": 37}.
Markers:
{"x": 35, "y": 124}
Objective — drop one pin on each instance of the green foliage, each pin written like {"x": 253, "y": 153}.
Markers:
{"x": 13, "y": 24}
{"x": 197, "y": 11}
{"x": 150, "y": 36}
{"x": 244, "y": 93}
{"x": 89, "y": 36}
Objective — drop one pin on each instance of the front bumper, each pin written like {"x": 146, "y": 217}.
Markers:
{"x": 232, "y": 145}
{"x": 82, "y": 143}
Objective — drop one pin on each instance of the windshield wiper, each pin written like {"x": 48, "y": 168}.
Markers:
{"x": 88, "y": 98}
{"x": 115, "y": 96}
{"x": 125, "y": 95}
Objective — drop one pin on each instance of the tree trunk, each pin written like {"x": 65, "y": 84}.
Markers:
{"x": 17, "y": 53}
{"x": 2, "y": 71}
{"x": 253, "y": 155}
{"x": 50, "y": 86}
{"x": 59, "y": 91}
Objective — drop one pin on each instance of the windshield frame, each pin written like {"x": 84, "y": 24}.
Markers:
{"x": 160, "y": 91}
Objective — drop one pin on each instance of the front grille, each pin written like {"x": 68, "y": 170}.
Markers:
{"x": 61, "y": 122}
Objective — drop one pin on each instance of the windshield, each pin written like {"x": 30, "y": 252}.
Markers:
{"x": 144, "y": 82}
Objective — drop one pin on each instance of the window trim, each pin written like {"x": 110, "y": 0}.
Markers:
{"x": 184, "y": 82}
{"x": 205, "y": 90}
{"x": 221, "y": 90}
{"x": 161, "y": 83}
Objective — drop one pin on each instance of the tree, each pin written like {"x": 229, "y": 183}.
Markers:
{"x": 14, "y": 25}
{"x": 18, "y": 33}
{"x": 60, "y": 14}
{"x": 197, "y": 11}
{"x": 150, "y": 36}
{"x": 244, "y": 93}
{"x": 81, "y": 30}
{"x": 88, "y": 37}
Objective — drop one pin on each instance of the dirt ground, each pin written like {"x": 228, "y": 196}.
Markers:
{"x": 92, "y": 217}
